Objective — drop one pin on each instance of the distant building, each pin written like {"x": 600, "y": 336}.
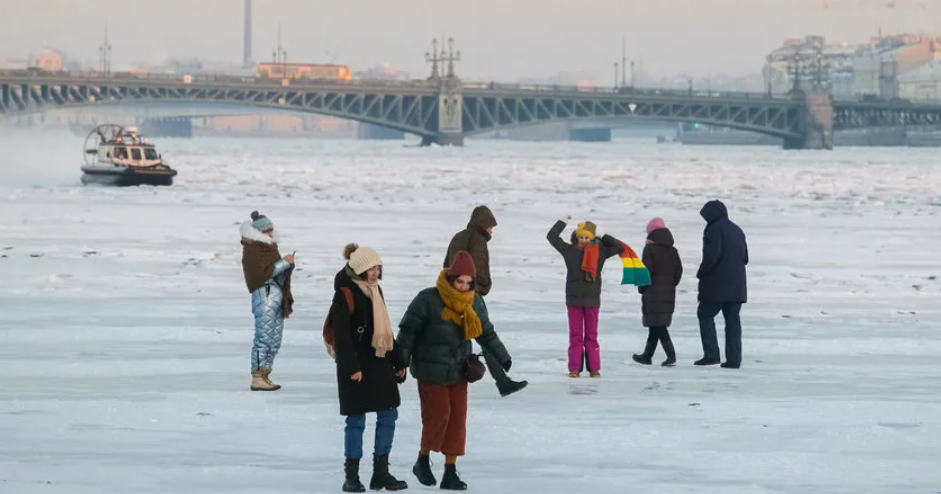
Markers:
{"x": 880, "y": 65}
{"x": 922, "y": 83}
{"x": 330, "y": 72}
{"x": 50, "y": 60}
{"x": 837, "y": 74}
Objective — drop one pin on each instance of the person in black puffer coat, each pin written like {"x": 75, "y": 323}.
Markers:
{"x": 659, "y": 298}
{"x": 368, "y": 366}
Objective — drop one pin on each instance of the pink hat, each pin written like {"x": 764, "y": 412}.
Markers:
{"x": 655, "y": 224}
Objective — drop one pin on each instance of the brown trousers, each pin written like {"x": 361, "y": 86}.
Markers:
{"x": 443, "y": 417}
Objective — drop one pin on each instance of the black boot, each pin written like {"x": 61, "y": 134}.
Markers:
{"x": 667, "y": 343}
{"x": 352, "y": 484}
{"x": 422, "y": 471}
{"x": 647, "y": 357}
{"x": 707, "y": 361}
{"x": 381, "y": 478}
{"x": 450, "y": 481}
{"x": 510, "y": 386}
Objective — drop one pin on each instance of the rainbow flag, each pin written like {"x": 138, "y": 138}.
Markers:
{"x": 635, "y": 273}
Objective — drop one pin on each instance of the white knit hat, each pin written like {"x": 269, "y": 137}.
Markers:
{"x": 362, "y": 259}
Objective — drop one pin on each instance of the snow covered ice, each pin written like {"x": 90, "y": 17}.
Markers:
{"x": 126, "y": 326}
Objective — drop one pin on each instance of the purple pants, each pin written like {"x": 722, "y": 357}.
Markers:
{"x": 583, "y": 338}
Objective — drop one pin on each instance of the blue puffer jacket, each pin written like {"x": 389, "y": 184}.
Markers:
{"x": 267, "y": 300}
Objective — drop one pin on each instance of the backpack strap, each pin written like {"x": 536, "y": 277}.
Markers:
{"x": 349, "y": 297}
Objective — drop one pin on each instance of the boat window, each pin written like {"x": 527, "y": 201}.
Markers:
{"x": 135, "y": 154}
{"x": 120, "y": 153}
{"x": 150, "y": 153}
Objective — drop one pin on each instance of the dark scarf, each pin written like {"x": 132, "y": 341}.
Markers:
{"x": 258, "y": 260}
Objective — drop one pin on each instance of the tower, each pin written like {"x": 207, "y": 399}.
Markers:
{"x": 247, "y": 41}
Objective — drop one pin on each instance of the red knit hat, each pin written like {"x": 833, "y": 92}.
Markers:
{"x": 462, "y": 265}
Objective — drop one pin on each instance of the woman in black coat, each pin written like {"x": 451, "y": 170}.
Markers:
{"x": 368, "y": 367}
{"x": 659, "y": 298}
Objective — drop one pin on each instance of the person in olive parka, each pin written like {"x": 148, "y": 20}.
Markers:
{"x": 368, "y": 367}
{"x": 435, "y": 341}
{"x": 659, "y": 297}
{"x": 473, "y": 240}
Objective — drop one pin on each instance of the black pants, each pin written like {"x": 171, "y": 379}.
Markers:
{"x": 494, "y": 366}
{"x": 659, "y": 334}
{"x": 733, "y": 330}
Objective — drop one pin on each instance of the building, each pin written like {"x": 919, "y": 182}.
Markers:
{"x": 50, "y": 60}
{"x": 837, "y": 72}
{"x": 277, "y": 70}
{"x": 922, "y": 84}
{"x": 881, "y": 65}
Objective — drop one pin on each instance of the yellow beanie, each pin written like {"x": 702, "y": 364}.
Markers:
{"x": 586, "y": 229}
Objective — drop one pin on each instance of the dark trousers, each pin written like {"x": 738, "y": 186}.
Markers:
{"x": 661, "y": 335}
{"x": 733, "y": 330}
{"x": 495, "y": 367}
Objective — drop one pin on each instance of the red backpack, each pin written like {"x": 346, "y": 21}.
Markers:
{"x": 329, "y": 334}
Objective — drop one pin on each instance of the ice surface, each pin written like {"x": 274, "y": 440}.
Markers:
{"x": 126, "y": 326}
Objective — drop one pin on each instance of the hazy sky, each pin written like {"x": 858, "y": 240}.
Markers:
{"x": 499, "y": 39}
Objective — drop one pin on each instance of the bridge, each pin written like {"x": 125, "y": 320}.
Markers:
{"x": 443, "y": 109}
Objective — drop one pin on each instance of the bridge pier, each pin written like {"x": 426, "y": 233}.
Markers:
{"x": 816, "y": 121}
{"x": 450, "y": 114}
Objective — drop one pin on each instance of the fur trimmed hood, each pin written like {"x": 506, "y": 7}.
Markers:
{"x": 248, "y": 232}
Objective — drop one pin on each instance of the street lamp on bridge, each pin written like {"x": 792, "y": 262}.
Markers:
{"x": 433, "y": 59}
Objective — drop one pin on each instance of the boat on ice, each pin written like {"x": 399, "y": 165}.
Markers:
{"x": 119, "y": 156}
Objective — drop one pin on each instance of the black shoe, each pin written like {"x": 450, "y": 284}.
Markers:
{"x": 352, "y": 484}
{"x": 422, "y": 471}
{"x": 511, "y": 386}
{"x": 706, "y": 361}
{"x": 728, "y": 365}
{"x": 670, "y": 362}
{"x": 450, "y": 481}
{"x": 382, "y": 479}
{"x": 642, "y": 359}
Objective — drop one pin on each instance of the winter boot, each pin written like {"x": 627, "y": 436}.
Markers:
{"x": 511, "y": 386}
{"x": 422, "y": 471}
{"x": 267, "y": 372}
{"x": 260, "y": 384}
{"x": 706, "y": 361}
{"x": 730, "y": 365}
{"x": 642, "y": 359}
{"x": 594, "y": 374}
{"x": 352, "y": 484}
{"x": 574, "y": 374}
{"x": 670, "y": 351}
{"x": 450, "y": 481}
{"x": 381, "y": 478}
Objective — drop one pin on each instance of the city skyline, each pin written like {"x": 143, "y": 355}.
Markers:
{"x": 530, "y": 39}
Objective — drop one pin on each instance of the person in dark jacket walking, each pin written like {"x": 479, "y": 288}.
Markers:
{"x": 473, "y": 240}
{"x": 435, "y": 340}
{"x": 584, "y": 260}
{"x": 722, "y": 285}
{"x": 368, "y": 367}
{"x": 658, "y": 300}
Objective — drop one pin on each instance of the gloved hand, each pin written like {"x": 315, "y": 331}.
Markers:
{"x": 507, "y": 365}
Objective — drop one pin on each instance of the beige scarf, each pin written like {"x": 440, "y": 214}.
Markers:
{"x": 382, "y": 327}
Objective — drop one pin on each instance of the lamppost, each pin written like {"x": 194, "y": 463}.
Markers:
{"x": 452, "y": 57}
{"x": 433, "y": 59}
{"x": 105, "y": 53}
{"x": 615, "y": 75}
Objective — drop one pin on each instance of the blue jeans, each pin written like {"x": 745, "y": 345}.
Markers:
{"x": 385, "y": 433}
{"x": 733, "y": 330}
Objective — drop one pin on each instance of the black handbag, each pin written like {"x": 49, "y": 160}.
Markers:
{"x": 475, "y": 368}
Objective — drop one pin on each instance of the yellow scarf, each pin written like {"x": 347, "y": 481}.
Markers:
{"x": 459, "y": 307}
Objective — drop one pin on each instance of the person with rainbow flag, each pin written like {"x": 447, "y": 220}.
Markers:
{"x": 584, "y": 260}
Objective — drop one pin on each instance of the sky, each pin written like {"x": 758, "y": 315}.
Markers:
{"x": 501, "y": 40}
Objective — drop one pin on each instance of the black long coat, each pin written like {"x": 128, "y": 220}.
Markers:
{"x": 378, "y": 389}
{"x": 666, "y": 270}
{"x": 724, "y": 257}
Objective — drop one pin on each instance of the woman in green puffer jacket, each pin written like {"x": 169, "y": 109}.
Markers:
{"x": 435, "y": 340}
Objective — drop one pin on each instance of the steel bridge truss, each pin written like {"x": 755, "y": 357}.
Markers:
{"x": 408, "y": 111}
{"x": 484, "y": 113}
